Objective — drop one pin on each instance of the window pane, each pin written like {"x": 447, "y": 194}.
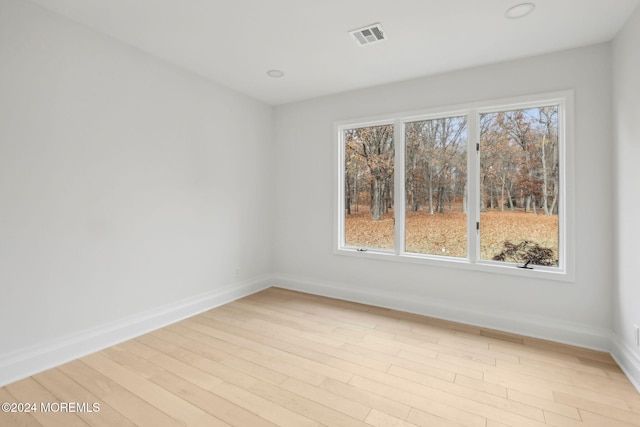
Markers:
{"x": 436, "y": 187}
{"x": 519, "y": 186}
{"x": 368, "y": 180}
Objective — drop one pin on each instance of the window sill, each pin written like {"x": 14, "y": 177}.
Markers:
{"x": 536, "y": 272}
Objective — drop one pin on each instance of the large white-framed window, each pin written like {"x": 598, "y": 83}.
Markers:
{"x": 485, "y": 186}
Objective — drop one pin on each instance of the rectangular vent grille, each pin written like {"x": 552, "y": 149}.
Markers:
{"x": 369, "y": 34}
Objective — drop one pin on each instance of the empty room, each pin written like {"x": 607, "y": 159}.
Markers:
{"x": 319, "y": 213}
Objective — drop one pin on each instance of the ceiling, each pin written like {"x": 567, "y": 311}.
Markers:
{"x": 235, "y": 42}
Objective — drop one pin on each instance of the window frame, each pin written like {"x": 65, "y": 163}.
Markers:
{"x": 566, "y": 249}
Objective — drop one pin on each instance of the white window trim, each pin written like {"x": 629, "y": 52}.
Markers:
{"x": 566, "y": 250}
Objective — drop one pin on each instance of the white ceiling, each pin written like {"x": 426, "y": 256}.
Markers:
{"x": 235, "y": 42}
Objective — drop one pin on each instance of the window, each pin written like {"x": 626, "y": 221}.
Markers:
{"x": 519, "y": 185}
{"x": 481, "y": 186}
{"x": 368, "y": 177}
{"x": 436, "y": 186}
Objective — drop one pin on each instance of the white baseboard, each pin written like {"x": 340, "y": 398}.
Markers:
{"x": 29, "y": 361}
{"x": 627, "y": 359}
{"x": 549, "y": 329}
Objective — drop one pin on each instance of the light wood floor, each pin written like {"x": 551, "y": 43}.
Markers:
{"x": 290, "y": 359}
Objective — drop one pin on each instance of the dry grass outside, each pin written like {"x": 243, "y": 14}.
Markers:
{"x": 446, "y": 234}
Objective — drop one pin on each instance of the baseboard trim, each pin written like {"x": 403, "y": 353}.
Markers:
{"x": 627, "y": 359}
{"x": 25, "y": 362}
{"x": 549, "y": 329}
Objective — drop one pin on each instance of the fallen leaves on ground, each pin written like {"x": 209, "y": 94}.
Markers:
{"x": 446, "y": 234}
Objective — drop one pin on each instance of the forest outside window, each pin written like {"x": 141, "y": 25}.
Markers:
{"x": 520, "y": 186}
{"x": 369, "y": 177}
{"x": 436, "y": 186}
{"x": 483, "y": 186}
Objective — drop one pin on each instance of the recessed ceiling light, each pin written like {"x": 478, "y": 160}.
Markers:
{"x": 520, "y": 10}
{"x": 276, "y": 74}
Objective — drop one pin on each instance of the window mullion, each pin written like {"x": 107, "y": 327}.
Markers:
{"x": 398, "y": 189}
{"x": 473, "y": 186}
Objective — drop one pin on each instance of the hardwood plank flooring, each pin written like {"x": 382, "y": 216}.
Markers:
{"x": 283, "y": 358}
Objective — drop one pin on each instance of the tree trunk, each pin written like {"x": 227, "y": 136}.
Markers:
{"x": 492, "y": 197}
{"x": 510, "y": 198}
{"x": 430, "y": 185}
{"x": 533, "y": 205}
{"x": 347, "y": 193}
{"x": 377, "y": 195}
{"x": 554, "y": 202}
{"x": 371, "y": 198}
{"x": 355, "y": 191}
{"x": 545, "y": 196}
{"x": 502, "y": 193}
{"x": 464, "y": 199}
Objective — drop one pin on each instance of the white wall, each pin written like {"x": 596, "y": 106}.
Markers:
{"x": 626, "y": 104}
{"x": 579, "y": 312}
{"x": 125, "y": 183}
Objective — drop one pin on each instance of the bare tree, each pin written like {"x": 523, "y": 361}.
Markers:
{"x": 435, "y": 163}
{"x": 373, "y": 147}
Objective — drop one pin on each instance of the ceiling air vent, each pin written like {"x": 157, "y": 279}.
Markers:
{"x": 370, "y": 34}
